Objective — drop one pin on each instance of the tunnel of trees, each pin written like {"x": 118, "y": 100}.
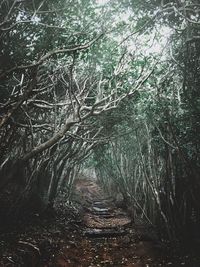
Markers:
{"x": 111, "y": 84}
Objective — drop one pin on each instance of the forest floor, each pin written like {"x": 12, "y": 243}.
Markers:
{"x": 97, "y": 234}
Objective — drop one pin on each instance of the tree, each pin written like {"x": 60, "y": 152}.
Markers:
{"x": 53, "y": 98}
{"x": 164, "y": 143}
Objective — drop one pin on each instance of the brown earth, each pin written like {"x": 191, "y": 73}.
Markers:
{"x": 109, "y": 237}
{"x": 101, "y": 235}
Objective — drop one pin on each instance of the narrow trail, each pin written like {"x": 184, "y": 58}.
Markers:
{"x": 95, "y": 233}
{"x": 108, "y": 236}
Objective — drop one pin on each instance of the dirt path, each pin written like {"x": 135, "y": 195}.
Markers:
{"x": 108, "y": 236}
{"x": 103, "y": 236}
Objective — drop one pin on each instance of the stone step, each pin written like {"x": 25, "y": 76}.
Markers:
{"x": 97, "y": 209}
{"x": 101, "y": 213}
{"x": 107, "y": 216}
{"x": 96, "y": 203}
{"x": 100, "y": 205}
{"x": 105, "y": 232}
{"x": 107, "y": 199}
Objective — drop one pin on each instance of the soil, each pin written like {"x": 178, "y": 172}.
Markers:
{"x": 94, "y": 233}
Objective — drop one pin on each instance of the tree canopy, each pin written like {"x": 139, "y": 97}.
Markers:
{"x": 114, "y": 84}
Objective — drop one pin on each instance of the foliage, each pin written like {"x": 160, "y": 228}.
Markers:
{"x": 116, "y": 83}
